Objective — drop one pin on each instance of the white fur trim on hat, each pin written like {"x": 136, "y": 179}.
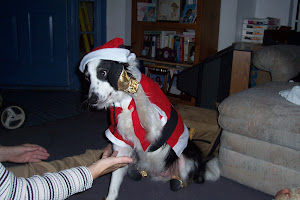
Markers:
{"x": 114, "y": 54}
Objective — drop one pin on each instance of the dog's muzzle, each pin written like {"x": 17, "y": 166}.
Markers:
{"x": 93, "y": 99}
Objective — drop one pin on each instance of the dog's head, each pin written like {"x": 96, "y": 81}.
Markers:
{"x": 102, "y": 68}
{"x": 101, "y": 75}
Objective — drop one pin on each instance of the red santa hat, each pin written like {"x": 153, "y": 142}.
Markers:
{"x": 108, "y": 51}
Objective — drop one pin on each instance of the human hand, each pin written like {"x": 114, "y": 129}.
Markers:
{"x": 284, "y": 192}
{"x": 107, "y": 151}
{"x": 108, "y": 164}
{"x": 23, "y": 153}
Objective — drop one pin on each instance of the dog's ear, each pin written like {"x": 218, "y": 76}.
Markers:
{"x": 114, "y": 74}
{"x": 126, "y": 47}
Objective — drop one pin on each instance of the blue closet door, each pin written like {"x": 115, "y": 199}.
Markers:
{"x": 33, "y": 42}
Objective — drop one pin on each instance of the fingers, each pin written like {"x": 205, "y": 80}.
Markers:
{"x": 107, "y": 151}
{"x": 34, "y": 147}
{"x": 284, "y": 191}
{"x": 106, "y": 165}
{"x": 114, "y": 154}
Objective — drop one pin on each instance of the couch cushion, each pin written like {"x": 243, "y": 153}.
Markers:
{"x": 272, "y": 153}
{"x": 255, "y": 173}
{"x": 262, "y": 113}
{"x": 282, "y": 61}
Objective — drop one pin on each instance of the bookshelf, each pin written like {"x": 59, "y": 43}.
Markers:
{"x": 206, "y": 30}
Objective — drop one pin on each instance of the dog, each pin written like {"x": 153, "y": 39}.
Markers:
{"x": 144, "y": 124}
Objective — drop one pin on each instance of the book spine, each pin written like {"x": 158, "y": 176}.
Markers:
{"x": 186, "y": 47}
{"x": 177, "y": 48}
{"x": 181, "y": 49}
{"x": 171, "y": 41}
{"x": 153, "y": 43}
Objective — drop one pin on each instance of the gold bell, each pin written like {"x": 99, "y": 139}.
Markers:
{"x": 127, "y": 84}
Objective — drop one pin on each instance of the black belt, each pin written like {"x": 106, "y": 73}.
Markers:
{"x": 167, "y": 131}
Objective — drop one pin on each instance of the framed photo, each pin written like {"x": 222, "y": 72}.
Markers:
{"x": 160, "y": 77}
{"x": 189, "y": 13}
{"x": 146, "y": 12}
{"x": 150, "y": 13}
{"x": 173, "y": 86}
{"x": 191, "y": 52}
{"x": 166, "y": 54}
{"x": 168, "y": 10}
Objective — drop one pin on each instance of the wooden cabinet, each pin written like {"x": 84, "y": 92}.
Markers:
{"x": 206, "y": 28}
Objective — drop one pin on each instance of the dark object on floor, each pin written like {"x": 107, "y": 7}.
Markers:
{"x": 208, "y": 81}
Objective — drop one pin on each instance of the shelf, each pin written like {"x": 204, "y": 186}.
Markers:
{"x": 166, "y": 25}
{"x": 164, "y": 62}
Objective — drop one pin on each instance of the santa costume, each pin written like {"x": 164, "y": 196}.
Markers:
{"x": 174, "y": 132}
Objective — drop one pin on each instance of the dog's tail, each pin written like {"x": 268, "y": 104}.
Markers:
{"x": 212, "y": 172}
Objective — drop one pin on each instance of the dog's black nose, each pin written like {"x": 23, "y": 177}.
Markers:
{"x": 93, "y": 99}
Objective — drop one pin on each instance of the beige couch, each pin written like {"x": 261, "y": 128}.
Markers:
{"x": 260, "y": 142}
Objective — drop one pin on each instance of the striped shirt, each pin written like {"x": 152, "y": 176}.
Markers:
{"x": 58, "y": 185}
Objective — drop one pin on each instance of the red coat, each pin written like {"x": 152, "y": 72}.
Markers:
{"x": 179, "y": 137}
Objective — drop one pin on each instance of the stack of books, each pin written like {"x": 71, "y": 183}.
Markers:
{"x": 253, "y": 28}
{"x": 180, "y": 44}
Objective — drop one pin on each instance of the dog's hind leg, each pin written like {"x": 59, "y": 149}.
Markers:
{"x": 184, "y": 168}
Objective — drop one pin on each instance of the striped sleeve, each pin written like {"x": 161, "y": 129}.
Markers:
{"x": 58, "y": 185}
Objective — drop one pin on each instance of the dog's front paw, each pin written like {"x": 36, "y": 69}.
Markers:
{"x": 110, "y": 197}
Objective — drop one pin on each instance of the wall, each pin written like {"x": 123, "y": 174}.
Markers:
{"x": 245, "y": 9}
{"x": 274, "y": 8}
{"x": 227, "y": 23}
{"x": 234, "y": 11}
{"x": 119, "y": 20}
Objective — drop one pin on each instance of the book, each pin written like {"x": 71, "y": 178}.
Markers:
{"x": 181, "y": 47}
{"x": 253, "y": 32}
{"x": 153, "y": 46}
{"x": 264, "y": 27}
{"x": 177, "y": 47}
{"x": 164, "y": 41}
{"x": 189, "y": 13}
{"x": 168, "y": 10}
{"x": 262, "y": 21}
{"x": 253, "y": 39}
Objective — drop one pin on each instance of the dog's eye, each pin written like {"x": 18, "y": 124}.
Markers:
{"x": 102, "y": 73}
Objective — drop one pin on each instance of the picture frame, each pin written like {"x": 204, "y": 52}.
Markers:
{"x": 159, "y": 76}
{"x": 172, "y": 89}
{"x": 191, "y": 52}
{"x": 168, "y": 10}
{"x": 166, "y": 54}
{"x": 189, "y": 13}
{"x": 146, "y": 11}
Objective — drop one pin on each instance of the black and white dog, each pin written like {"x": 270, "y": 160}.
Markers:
{"x": 144, "y": 125}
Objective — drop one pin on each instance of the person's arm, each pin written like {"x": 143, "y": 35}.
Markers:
{"x": 58, "y": 185}
{"x": 49, "y": 186}
{"x": 23, "y": 153}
